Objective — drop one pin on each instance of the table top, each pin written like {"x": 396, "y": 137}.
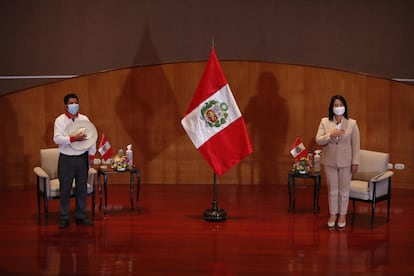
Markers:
{"x": 307, "y": 174}
{"x": 107, "y": 170}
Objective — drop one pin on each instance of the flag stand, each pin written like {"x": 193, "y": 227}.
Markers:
{"x": 215, "y": 214}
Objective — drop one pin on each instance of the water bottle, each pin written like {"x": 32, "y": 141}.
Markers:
{"x": 310, "y": 162}
{"x": 317, "y": 161}
{"x": 129, "y": 156}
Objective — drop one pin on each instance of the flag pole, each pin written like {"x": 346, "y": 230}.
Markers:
{"x": 215, "y": 214}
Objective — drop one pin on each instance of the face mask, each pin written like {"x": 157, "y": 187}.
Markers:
{"x": 340, "y": 110}
{"x": 73, "y": 108}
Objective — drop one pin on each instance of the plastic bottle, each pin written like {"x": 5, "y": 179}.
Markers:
{"x": 310, "y": 161}
{"x": 120, "y": 152}
{"x": 317, "y": 161}
{"x": 129, "y": 156}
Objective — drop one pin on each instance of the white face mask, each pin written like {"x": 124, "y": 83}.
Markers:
{"x": 340, "y": 110}
{"x": 73, "y": 108}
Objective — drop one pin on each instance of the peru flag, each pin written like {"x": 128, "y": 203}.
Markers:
{"x": 105, "y": 148}
{"x": 298, "y": 149}
{"x": 214, "y": 123}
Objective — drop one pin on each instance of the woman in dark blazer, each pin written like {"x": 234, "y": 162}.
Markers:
{"x": 339, "y": 136}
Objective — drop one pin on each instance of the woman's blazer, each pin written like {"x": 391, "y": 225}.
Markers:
{"x": 341, "y": 152}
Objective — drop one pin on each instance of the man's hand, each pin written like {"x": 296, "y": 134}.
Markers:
{"x": 80, "y": 136}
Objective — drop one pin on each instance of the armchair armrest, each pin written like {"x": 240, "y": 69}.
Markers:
{"x": 40, "y": 172}
{"x": 382, "y": 176}
{"x": 92, "y": 171}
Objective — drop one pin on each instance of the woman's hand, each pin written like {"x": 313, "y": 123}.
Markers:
{"x": 354, "y": 168}
{"x": 337, "y": 132}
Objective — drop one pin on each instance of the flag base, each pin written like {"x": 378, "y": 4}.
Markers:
{"x": 215, "y": 215}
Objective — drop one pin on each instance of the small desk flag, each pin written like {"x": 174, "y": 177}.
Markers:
{"x": 298, "y": 149}
{"x": 105, "y": 148}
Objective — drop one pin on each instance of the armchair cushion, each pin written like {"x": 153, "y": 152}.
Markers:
{"x": 373, "y": 161}
{"x": 48, "y": 161}
{"x": 360, "y": 189}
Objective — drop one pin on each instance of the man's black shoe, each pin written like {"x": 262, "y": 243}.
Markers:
{"x": 64, "y": 223}
{"x": 84, "y": 221}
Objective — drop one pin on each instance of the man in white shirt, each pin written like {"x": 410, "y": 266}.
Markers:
{"x": 73, "y": 163}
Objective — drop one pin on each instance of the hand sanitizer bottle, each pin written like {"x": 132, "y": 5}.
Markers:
{"x": 317, "y": 161}
{"x": 129, "y": 155}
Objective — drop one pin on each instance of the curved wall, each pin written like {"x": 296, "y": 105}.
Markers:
{"x": 144, "y": 105}
{"x": 53, "y": 38}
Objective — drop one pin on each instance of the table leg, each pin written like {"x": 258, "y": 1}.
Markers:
{"x": 138, "y": 173}
{"x": 316, "y": 190}
{"x": 93, "y": 203}
{"x": 315, "y": 184}
{"x": 290, "y": 192}
{"x": 106, "y": 192}
{"x": 100, "y": 191}
{"x": 131, "y": 188}
{"x": 293, "y": 192}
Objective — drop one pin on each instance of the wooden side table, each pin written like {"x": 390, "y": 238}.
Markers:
{"x": 316, "y": 176}
{"x": 105, "y": 172}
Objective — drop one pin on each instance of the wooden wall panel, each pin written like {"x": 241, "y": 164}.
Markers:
{"x": 144, "y": 106}
{"x": 401, "y": 131}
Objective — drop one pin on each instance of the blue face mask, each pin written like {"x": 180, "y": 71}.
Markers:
{"x": 73, "y": 108}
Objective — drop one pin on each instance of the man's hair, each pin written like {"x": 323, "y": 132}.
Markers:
{"x": 69, "y": 96}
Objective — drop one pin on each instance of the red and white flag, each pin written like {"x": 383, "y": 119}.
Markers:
{"x": 105, "y": 148}
{"x": 298, "y": 149}
{"x": 214, "y": 122}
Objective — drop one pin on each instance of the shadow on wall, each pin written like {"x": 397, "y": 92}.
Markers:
{"x": 48, "y": 134}
{"x": 154, "y": 124}
{"x": 12, "y": 156}
{"x": 267, "y": 119}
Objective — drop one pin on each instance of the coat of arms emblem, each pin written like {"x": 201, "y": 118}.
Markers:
{"x": 214, "y": 113}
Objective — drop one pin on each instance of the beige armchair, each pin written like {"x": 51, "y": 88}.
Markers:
{"x": 372, "y": 182}
{"x": 47, "y": 181}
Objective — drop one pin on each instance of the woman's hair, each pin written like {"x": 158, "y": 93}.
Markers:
{"x": 330, "y": 109}
{"x": 69, "y": 96}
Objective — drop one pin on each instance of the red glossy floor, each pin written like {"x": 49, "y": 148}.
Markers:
{"x": 169, "y": 236}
